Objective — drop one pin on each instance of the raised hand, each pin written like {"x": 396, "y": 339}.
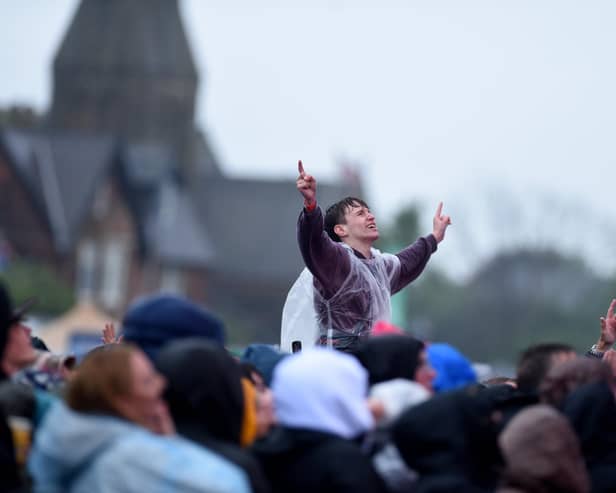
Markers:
{"x": 440, "y": 223}
{"x": 109, "y": 336}
{"x": 306, "y": 185}
{"x": 608, "y": 325}
{"x": 159, "y": 420}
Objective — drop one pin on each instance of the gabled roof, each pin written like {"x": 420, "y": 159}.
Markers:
{"x": 146, "y": 165}
{"x": 252, "y": 224}
{"x": 19, "y": 146}
{"x": 203, "y": 156}
{"x": 80, "y": 164}
{"x": 173, "y": 232}
{"x": 245, "y": 228}
{"x": 61, "y": 171}
{"x": 167, "y": 219}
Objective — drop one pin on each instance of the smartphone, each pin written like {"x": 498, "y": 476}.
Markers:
{"x": 296, "y": 346}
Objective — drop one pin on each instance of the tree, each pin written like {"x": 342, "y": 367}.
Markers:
{"x": 517, "y": 299}
{"x": 19, "y": 116}
{"x": 404, "y": 229}
{"x": 30, "y": 279}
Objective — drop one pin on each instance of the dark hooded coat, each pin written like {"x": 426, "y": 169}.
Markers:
{"x": 390, "y": 356}
{"x": 591, "y": 409}
{"x": 307, "y": 461}
{"x": 205, "y": 397}
{"x": 451, "y": 439}
{"x": 10, "y": 479}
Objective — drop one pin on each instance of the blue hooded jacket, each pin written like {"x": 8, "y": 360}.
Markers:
{"x": 81, "y": 453}
{"x": 453, "y": 370}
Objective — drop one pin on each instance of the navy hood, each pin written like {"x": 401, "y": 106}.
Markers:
{"x": 153, "y": 321}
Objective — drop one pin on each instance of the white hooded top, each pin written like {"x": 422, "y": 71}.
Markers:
{"x": 322, "y": 390}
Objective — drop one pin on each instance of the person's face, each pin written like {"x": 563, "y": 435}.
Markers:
{"x": 359, "y": 224}
{"x": 144, "y": 404}
{"x": 424, "y": 373}
{"x": 265, "y": 406}
{"x": 562, "y": 357}
{"x": 19, "y": 352}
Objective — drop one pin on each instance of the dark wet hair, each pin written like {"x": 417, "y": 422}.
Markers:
{"x": 566, "y": 377}
{"x": 388, "y": 357}
{"x": 335, "y": 214}
{"x": 536, "y": 362}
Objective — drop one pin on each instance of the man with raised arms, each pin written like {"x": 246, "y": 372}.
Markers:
{"x": 351, "y": 283}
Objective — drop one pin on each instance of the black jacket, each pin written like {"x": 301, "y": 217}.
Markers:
{"x": 451, "y": 440}
{"x": 307, "y": 461}
{"x": 591, "y": 409}
{"x": 15, "y": 400}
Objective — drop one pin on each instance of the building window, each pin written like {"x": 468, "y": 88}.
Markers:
{"x": 115, "y": 273}
{"x": 86, "y": 269}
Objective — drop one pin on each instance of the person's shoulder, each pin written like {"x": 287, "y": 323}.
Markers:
{"x": 181, "y": 461}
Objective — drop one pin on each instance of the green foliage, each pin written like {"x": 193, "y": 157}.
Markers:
{"x": 29, "y": 279}
{"x": 518, "y": 299}
{"x": 403, "y": 231}
{"x": 18, "y": 116}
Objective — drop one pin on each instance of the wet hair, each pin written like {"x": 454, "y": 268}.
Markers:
{"x": 335, "y": 214}
{"x": 100, "y": 378}
{"x": 388, "y": 357}
{"x": 535, "y": 362}
{"x": 568, "y": 376}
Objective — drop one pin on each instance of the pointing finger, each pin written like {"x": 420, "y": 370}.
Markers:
{"x": 610, "y": 310}
{"x": 439, "y": 209}
{"x": 300, "y": 168}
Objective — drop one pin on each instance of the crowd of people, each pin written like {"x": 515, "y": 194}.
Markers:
{"x": 168, "y": 408}
{"x": 361, "y": 407}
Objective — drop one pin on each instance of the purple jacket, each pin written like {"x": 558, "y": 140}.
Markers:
{"x": 331, "y": 263}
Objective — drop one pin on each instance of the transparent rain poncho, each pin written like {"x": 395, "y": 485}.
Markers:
{"x": 363, "y": 298}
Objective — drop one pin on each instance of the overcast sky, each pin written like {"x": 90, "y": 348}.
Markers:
{"x": 504, "y": 110}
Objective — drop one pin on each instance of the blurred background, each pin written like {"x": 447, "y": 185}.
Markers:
{"x": 151, "y": 145}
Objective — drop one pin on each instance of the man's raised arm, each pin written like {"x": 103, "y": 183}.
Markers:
{"x": 326, "y": 260}
{"x": 413, "y": 258}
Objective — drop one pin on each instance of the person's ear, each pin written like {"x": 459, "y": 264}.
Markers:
{"x": 340, "y": 230}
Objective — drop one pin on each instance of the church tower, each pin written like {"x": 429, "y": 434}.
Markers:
{"x": 125, "y": 68}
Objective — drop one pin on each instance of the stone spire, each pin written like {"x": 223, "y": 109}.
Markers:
{"x": 125, "y": 68}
